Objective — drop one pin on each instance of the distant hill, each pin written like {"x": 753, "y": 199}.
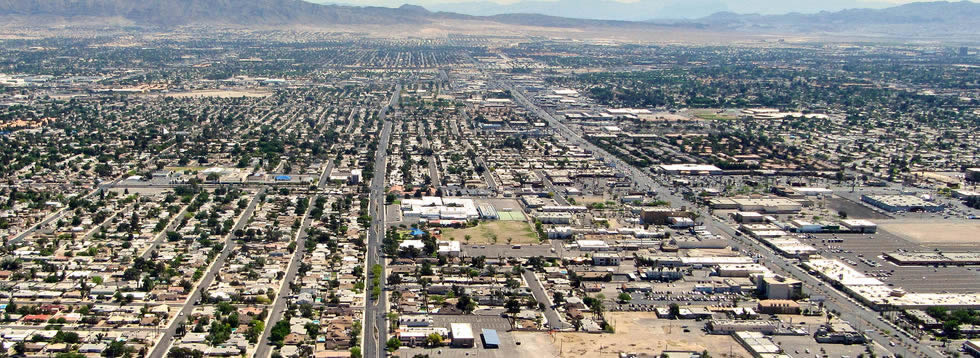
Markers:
{"x": 921, "y": 19}
{"x": 639, "y": 10}
{"x": 590, "y": 9}
{"x": 261, "y": 12}
{"x": 945, "y": 20}
{"x": 238, "y": 12}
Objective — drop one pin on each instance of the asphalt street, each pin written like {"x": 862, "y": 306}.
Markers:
{"x": 554, "y": 319}
{"x": 162, "y": 346}
{"x": 375, "y": 323}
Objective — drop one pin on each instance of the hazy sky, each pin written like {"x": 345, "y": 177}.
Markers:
{"x": 732, "y": 3}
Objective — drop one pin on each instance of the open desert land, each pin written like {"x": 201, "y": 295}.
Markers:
{"x": 643, "y": 332}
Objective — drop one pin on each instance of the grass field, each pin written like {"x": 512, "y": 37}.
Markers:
{"x": 519, "y": 232}
{"x": 713, "y": 115}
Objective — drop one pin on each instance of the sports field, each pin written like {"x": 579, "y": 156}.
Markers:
{"x": 494, "y": 232}
{"x": 511, "y": 215}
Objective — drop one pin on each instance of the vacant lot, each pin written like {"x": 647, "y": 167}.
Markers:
{"x": 490, "y": 232}
{"x": 854, "y": 210}
{"x": 935, "y": 232}
{"x": 644, "y": 332}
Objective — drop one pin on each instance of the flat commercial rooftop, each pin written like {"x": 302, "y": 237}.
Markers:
{"x": 461, "y": 330}
{"x": 689, "y": 168}
{"x": 935, "y": 232}
{"x": 490, "y": 337}
{"x": 931, "y": 258}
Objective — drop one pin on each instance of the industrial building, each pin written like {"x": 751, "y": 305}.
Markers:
{"x": 757, "y": 344}
{"x": 461, "y": 334}
{"x": 769, "y": 205}
{"x": 690, "y": 169}
{"x": 436, "y": 208}
{"x": 898, "y": 203}
{"x": 606, "y": 259}
{"x": 840, "y": 333}
{"x": 490, "y": 338}
{"x": 660, "y": 215}
{"x": 780, "y": 288}
{"x": 934, "y": 258}
{"x": 778, "y": 307}
{"x": 748, "y": 217}
{"x": 859, "y": 226}
{"x": 729, "y": 326}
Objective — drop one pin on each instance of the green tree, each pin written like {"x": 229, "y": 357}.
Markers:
{"x": 179, "y": 352}
{"x": 279, "y": 332}
{"x": 118, "y": 349}
{"x": 255, "y": 331}
{"x": 433, "y": 339}
{"x": 393, "y": 344}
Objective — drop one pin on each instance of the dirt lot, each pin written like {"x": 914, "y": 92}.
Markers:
{"x": 854, "y": 210}
{"x": 934, "y": 232}
{"x": 519, "y": 232}
{"x": 588, "y": 199}
{"x": 641, "y": 332}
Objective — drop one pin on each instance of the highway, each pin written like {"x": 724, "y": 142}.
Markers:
{"x": 375, "y": 323}
{"x": 163, "y": 345}
{"x": 860, "y": 316}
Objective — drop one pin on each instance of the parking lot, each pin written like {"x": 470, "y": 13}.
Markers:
{"x": 524, "y": 250}
{"x": 508, "y": 346}
{"x": 861, "y": 249}
{"x": 806, "y": 346}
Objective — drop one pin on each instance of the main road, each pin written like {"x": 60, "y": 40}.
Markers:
{"x": 163, "y": 345}
{"x": 862, "y": 317}
{"x": 375, "y": 323}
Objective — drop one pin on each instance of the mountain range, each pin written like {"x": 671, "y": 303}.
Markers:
{"x": 923, "y": 19}
{"x": 640, "y": 10}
